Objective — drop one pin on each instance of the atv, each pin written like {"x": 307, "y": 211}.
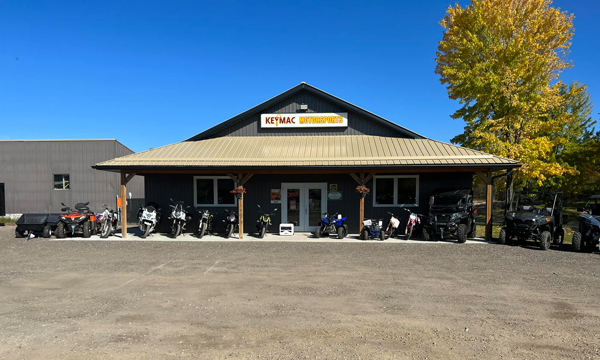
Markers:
{"x": 537, "y": 216}
{"x": 80, "y": 220}
{"x": 588, "y": 236}
{"x": 451, "y": 213}
{"x": 332, "y": 224}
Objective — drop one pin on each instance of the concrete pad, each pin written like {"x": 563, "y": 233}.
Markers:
{"x": 133, "y": 234}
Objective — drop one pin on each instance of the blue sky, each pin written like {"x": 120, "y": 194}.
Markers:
{"x": 151, "y": 73}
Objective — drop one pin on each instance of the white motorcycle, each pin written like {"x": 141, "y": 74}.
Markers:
{"x": 148, "y": 217}
{"x": 180, "y": 217}
{"x": 108, "y": 222}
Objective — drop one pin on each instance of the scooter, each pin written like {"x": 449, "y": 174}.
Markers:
{"x": 148, "y": 217}
{"x": 263, "y": 222}
{"x": 332, "y": 225}
{"x": 107, "y": 221}
{"x": 413, "y": 221}
{"x": 392, "y": 228}
{"x": 180, "y": 217}
{"x": 205, "y": 223}
{"x": 231, "y": 223}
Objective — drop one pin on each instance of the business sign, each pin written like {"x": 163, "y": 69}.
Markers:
{"x": 304, "y": 120}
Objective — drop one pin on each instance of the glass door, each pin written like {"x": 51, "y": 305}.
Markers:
{"x": 303, "y": 204}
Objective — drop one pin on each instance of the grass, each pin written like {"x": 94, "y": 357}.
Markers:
{"x": 7, "y": 220}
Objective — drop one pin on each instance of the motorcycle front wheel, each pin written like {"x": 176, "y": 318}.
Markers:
{"x": 146, "y": 231}
{"x": 105, "y": 230}
{"x": 409, "y": 232}
{"x": 262, "y": 232}
{"x": 229, "y": 231}
{"x": 175, "y": 230}
{"x": 202, "y": 230}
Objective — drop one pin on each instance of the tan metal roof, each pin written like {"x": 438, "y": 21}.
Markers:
{"x": 310, "y": 151}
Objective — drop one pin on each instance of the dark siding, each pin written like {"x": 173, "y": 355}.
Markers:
{"x": 159, "y": 188}
{"x": 357, "y": 125}
{"x": 28, "y": 168}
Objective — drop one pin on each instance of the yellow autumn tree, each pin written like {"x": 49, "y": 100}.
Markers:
{"x": 501, "y": 59}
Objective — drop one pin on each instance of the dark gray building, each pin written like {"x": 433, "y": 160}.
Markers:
{"x": 305, "y": 151}
{"x": 39, "y": 175}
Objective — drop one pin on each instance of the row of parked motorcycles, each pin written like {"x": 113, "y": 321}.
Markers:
{"x": 149, "y": 217}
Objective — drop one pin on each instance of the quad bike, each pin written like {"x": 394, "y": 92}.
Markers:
{"x": 107, "y": 221}
{"x": 372, "y": 229}
{"x": 334, "y": 224}
{"x": 80, "y": 220}
{"x": 451, "y": 214}
{"x": 588, "y": 236}
{"x": 537, "y": 216}
{"x": 205, "y": 223}
{"x": 264, "y": 221}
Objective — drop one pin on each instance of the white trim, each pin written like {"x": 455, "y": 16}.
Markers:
{"x": 215, "y": 191}
{"x": 303, "y": 218}
{"x": 395, "y": 177}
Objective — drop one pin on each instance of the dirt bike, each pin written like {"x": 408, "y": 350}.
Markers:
{"x": 263, "y": 222}
{"x": 414, "y": 220}
{"x": 391, "y": 229}
{"x": 205, "y": 223}
{"x": 107, "y": 221}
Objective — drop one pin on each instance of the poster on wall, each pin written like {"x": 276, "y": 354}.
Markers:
{"x": 275, "y": 196}
{"x": 293, "y": 206}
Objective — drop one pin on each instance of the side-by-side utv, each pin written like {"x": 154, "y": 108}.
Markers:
{"x": 537, "y": 216}
{"x": 588, "y": 236}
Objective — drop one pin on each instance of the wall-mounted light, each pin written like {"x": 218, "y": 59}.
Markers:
{"x": 303, "y": 106}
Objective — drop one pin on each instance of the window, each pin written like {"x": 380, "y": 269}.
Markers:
{"x": 396, "y": 190}
{"x": 61, "y": 182}
{"x": 214, "y": 191}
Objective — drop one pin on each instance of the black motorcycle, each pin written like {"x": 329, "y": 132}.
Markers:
{"x": 205, "y": 223}
{"x": 263, "y": 222}
{"x": 231, "y": 223}
{"x": 180, "y": 217}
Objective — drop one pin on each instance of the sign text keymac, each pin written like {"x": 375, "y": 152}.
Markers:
{"x": 304, "y": 120}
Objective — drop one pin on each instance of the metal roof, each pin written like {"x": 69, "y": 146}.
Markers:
{"x": 307, "y": 151}
{"x": 304, "y": 86}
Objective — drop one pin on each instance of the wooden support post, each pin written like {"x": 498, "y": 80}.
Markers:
{"x": 124, "y": 205}
{"x": 240, "y": 180}
{"x": 361, "y": 215}
{"x": 241, "y": 216}
{"x": 489, "y": 207}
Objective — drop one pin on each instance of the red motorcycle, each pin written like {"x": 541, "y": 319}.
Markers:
{"x": 413, "y": 221}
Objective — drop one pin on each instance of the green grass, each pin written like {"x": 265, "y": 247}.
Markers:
{"x": 6, "y": 220}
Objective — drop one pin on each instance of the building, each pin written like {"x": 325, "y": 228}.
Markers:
{"x": 305, "y": 151}
{"x": 36, "y": 176}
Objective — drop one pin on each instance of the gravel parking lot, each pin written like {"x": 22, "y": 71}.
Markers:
{"x": 213, "y": 300}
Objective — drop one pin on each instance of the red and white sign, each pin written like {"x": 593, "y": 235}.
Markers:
{"x": 304, "y": 120}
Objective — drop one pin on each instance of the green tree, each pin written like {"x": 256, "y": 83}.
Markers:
{"x": 501, "y": 59}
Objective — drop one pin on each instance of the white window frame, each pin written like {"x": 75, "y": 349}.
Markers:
{"x": 215, "y": 191}
{"x": 63, "y": 182}
{"x": 395, "y": 177}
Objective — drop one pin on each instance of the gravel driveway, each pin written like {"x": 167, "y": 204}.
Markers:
{"x": 216, "y": 300}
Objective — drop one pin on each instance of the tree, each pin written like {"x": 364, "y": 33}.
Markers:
{"x": 501, "y": 59}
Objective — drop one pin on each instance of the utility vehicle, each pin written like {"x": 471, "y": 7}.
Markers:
{"x": 451, "y": 214}
{"x": 588, "y": 236}
{"x": 537, "y": 216}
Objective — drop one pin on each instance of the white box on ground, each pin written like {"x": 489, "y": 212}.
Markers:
{"x": 286, "y": 229}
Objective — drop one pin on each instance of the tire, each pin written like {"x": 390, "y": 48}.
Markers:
{"x": 502, "y": 237}
{"x": 60, "y": 230}
{"x": 229, "y": 231}
{"x": 202, "y": 230}
{"x": 545, "y": 239}
{"x": 143, "y": 229}
{"x": 576, "y": 242}
{"x": 19, "y": 234}
{"x": 409, "y": 234}
{"x": 461, "y": 233}
{"x": 261, "y": 233}
{"x": 105, "y": 229}
{"x": 364, "y": 234}
{"x": 319, "y": 232}
{"x": 473, "y": 232}
{"x": 340, "y": 232}
{"x": 175, "y": 230}
{"x": 87, "y": 229}
{"x": 426, "y": 235}
{"x": 345, "y": 230}
{"x": 47, "y": 231}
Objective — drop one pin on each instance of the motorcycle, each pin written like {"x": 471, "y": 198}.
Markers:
{"x": 107, "y": 222}
{"x": 148, "y": 217}
{"x": 413, "y": 221}
{"x": 231, "y": 223}
{"x": 263, "y": 222}
{"x": 372, "y": 229}
{"x": 180, "y": 217}
{"x": 205, "y": 223}
{"x": 332, "y": 225}
{"x": 392, "y": 228}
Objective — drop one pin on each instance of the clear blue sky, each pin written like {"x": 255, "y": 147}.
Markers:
{"x": 151, "y": 73}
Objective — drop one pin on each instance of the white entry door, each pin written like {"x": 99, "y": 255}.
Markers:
{"x": 303, "y": 203}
